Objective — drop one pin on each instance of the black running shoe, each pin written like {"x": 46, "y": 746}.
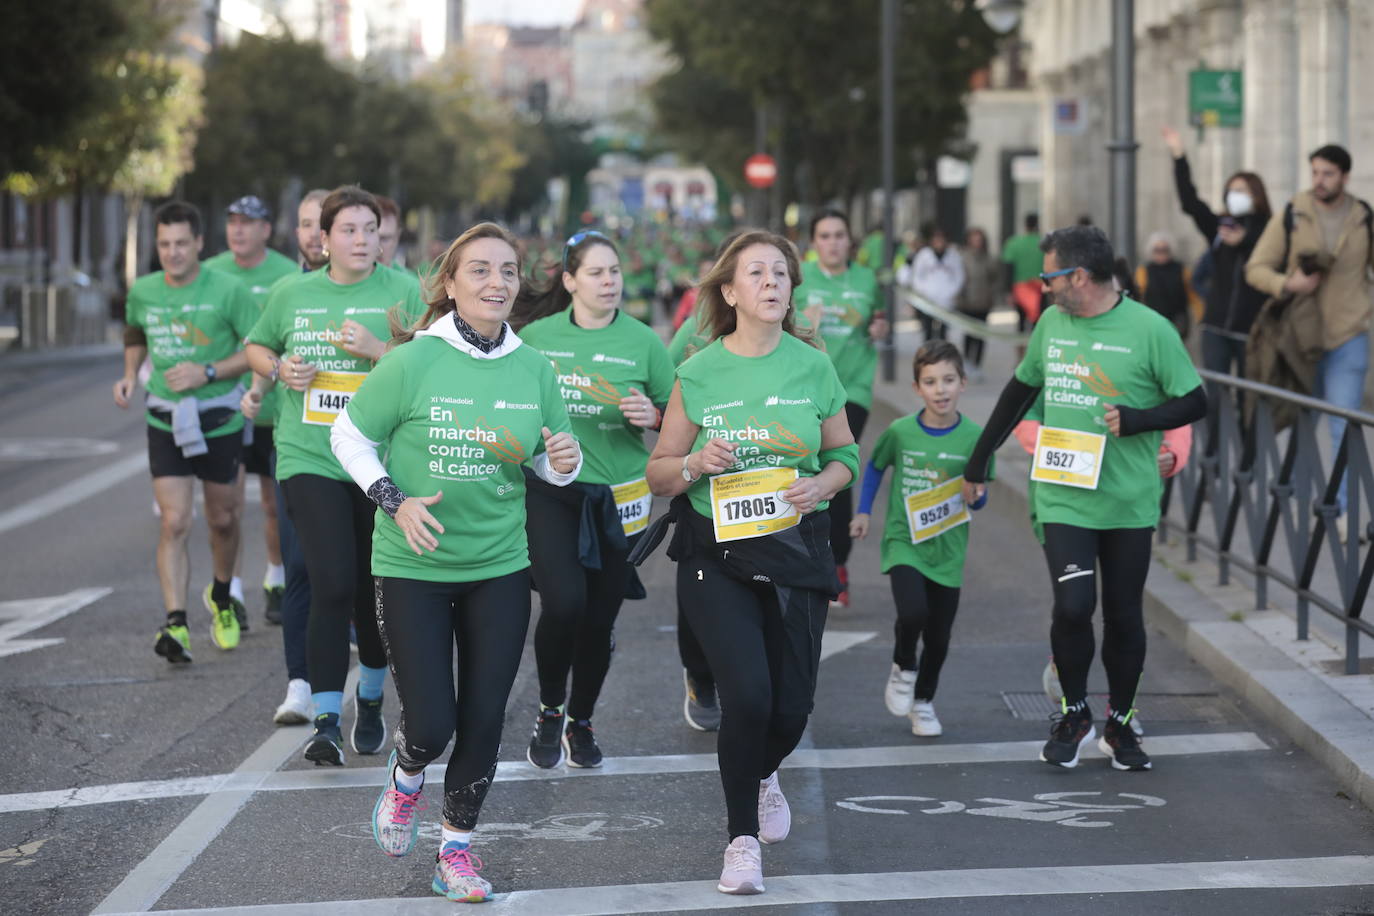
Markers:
{"x": 325, "y": 747}
{"x": 272, "y": 604}
{"x": 174, "y": 644}
{"x": 1122, "y": 746}
{"x": 240, "y": 614}
{"x": 369, "y": 728}
{"x": 1072, "y": 730}
{"x": 580, "y": 745}
{"x": 700, "y": 707}
{"x": 546, "y": 749}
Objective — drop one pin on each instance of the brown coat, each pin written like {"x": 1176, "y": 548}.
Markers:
{"x": 1343, "y": 298}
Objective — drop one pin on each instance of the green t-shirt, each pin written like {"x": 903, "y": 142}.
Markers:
{"x": 596, "y": 367}
{"x": 259, "y": 281}
{"x": 771, "y": 407}
{"x": 923, "y": 461}
{"x": 202, "y": 322}
{"x": 871, "y": 249}
{"x": 303, "y": 316}
{"x": 848, "y": 302}
{"x": 452, "y": 422}
{"x": 1130, "y": 355}
{"x": 1023, "y": 253}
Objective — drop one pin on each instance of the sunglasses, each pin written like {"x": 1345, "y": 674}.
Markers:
{"x": 1056, "y": 273}
{"x": 578, "y": 238}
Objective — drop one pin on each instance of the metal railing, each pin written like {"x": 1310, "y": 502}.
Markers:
{"x": 1264, "y": 500}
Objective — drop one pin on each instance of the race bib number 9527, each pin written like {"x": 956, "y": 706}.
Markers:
{"x": 1068, "y": 457}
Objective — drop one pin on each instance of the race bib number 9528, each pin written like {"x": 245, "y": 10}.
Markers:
{"x": 930, "y": 513}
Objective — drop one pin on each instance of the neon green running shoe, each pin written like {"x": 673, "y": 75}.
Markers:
{"x": 174, "y": 644}
{"x": 224, "y": 623}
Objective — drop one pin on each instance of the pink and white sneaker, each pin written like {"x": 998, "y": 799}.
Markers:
{"x": 455, "y": 875}
{"x": 743, "y": 872}
{"x": 775, "y": 815}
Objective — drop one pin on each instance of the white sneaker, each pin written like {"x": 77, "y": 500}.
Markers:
{"x": 297, "y": 708}
{"x": 1342, "y": 528}
{"x": 923, "y": 720}
{"x": 775, "y": 815}
{"x": 743, "y": 872}
{"x": 900, "y": 687}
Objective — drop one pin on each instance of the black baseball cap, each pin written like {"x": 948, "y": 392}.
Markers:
{"x": 250, "y": 206}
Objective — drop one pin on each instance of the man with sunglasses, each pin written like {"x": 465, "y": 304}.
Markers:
{"x": 1115, "y": 375}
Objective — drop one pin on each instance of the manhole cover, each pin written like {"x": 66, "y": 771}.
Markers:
{"x": 1156, "y": 707}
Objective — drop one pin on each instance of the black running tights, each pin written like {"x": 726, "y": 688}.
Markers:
{"x": 421, "y": 623}
{"x": 333, "y": 521}
{"x": 765, "y": 666}
{"x": 577, "y": 606}
{"x": 925, "y": 611}
{"x": 842, "y": 503}
{"x": 1076, "y": 556}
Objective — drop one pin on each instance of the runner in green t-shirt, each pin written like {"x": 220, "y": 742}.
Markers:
{"x": 459, "y": 411}
{"x": 843, "y": 300}
{"x": 925, "y": 539}
{"x": 330, "y": 326}
{"x": 615, "y": 377}
{"x": 1114, "y": 374}
{"x": 248, "y": 226}
{"x": 1021, "y": 253}
{"x": 192, "y": 323}
{"x": 756, "y": 439}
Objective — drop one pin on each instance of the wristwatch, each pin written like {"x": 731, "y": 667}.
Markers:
{"x": 686, "y": 472}
{"x": 210, "y": 373}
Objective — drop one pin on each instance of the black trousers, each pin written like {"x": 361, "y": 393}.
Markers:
{"x": 333, "y": 520}
{"x": 422, "y": 622}
{"x": 925, "y": 612}
{"x": 765, "y": 664}
{"x": 842, "y": 506}
{"x": 1076, "y": 557}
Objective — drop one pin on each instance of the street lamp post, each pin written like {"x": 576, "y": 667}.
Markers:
{"x": 889, "y": 139}
{"x": 1123, "y": 145}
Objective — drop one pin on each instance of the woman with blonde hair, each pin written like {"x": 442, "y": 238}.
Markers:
{"x": 753, "y": 446}
{"x": 458, "y": 408}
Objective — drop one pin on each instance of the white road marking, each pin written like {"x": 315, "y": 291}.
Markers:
{"x": 1048, "y": 807}
{"x": 151, "y": 878}
{"x": 794, "y": 890}
{"x": 39, "y": 448}
{"x": 521, "y": 771}
{"x": 27, "y": 615}
{"x": 836, "y": 641}
{"x": 80, "y": 489}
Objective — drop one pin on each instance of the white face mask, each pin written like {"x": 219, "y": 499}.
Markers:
{"x": 1239, "y": 203}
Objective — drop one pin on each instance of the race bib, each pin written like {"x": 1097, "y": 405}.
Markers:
{"x": 329, "y": 394}
{"x": 930, "y": 513}
{"x": 749, "y": 504}
{"x": 632, "y": 501}
{"x": 1068, "y": 457}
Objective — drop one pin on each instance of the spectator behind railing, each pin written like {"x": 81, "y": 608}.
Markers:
{"x": 1165, "y": 284}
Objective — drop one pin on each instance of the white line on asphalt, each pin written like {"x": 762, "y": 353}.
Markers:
{"x": 794, "y": 890}
{"x": 151, "y": 878}
{"x": 74, "y": 492}
{"x": 266, "y": 780}
{"x": 835, "y": 641}
{"x": 30, "y": 614}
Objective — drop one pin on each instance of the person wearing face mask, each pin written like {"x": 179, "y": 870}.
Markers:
{"x": 615, "y": 376}
{"x": 1322, "y": 245}
{"x": 320, "y": 334}
{"x": 1232, "y": 302}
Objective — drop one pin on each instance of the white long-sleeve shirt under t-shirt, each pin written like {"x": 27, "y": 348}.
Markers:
{"x": 938, "y": 278}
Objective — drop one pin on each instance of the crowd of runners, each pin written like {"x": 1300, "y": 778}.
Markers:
{"x": 432, "y": 446}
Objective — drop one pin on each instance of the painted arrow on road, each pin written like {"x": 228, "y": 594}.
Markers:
{"x": 20, "y": 617}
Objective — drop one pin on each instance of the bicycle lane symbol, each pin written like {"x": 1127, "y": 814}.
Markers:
{"x": 1047, "y": 807}
{"x": 568, "y": 828}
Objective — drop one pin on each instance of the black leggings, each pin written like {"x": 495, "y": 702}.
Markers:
{"x": 421, "y": 622}
{"x": 577, "y": 606}
{"x": 842, "y": 503}
{"x": 925, "y": 611}
{"x": 765, "y": 666}
{"x": 333, "y": 522}
{"x": 1075, "y": 556}
{"x": 690, "y": 653}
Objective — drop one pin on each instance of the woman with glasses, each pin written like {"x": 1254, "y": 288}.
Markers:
{"x": 615, "y": 377}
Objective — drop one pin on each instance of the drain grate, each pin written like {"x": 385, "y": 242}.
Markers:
{"x": 1156, "y": 707}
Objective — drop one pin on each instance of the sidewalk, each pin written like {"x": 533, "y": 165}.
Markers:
{"x": 1295, "y": 684}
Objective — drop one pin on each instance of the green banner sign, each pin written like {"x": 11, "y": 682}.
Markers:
{"x": 1216, "y": 98}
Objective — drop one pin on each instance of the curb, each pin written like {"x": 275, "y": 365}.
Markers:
{"x": 56, "y": 356}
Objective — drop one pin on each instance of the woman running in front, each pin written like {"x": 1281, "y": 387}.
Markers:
{"x": 615, "y": 376}
{"x": 756, "y": 437}
{"x": 458, "y": 408}
{"x": 320, "y": 336}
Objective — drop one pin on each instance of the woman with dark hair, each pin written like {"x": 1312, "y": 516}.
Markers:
{"x": 754, "y": 445}
{"x": 615, "y": 377}
{"x": 1232, "y": 304}
{"x": 320, "y": 335}
{"x": 459, "y": 409}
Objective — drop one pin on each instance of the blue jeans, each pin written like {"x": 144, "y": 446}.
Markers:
{"x": 1340, "y": 382}
{"x": 295, "y": 602}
